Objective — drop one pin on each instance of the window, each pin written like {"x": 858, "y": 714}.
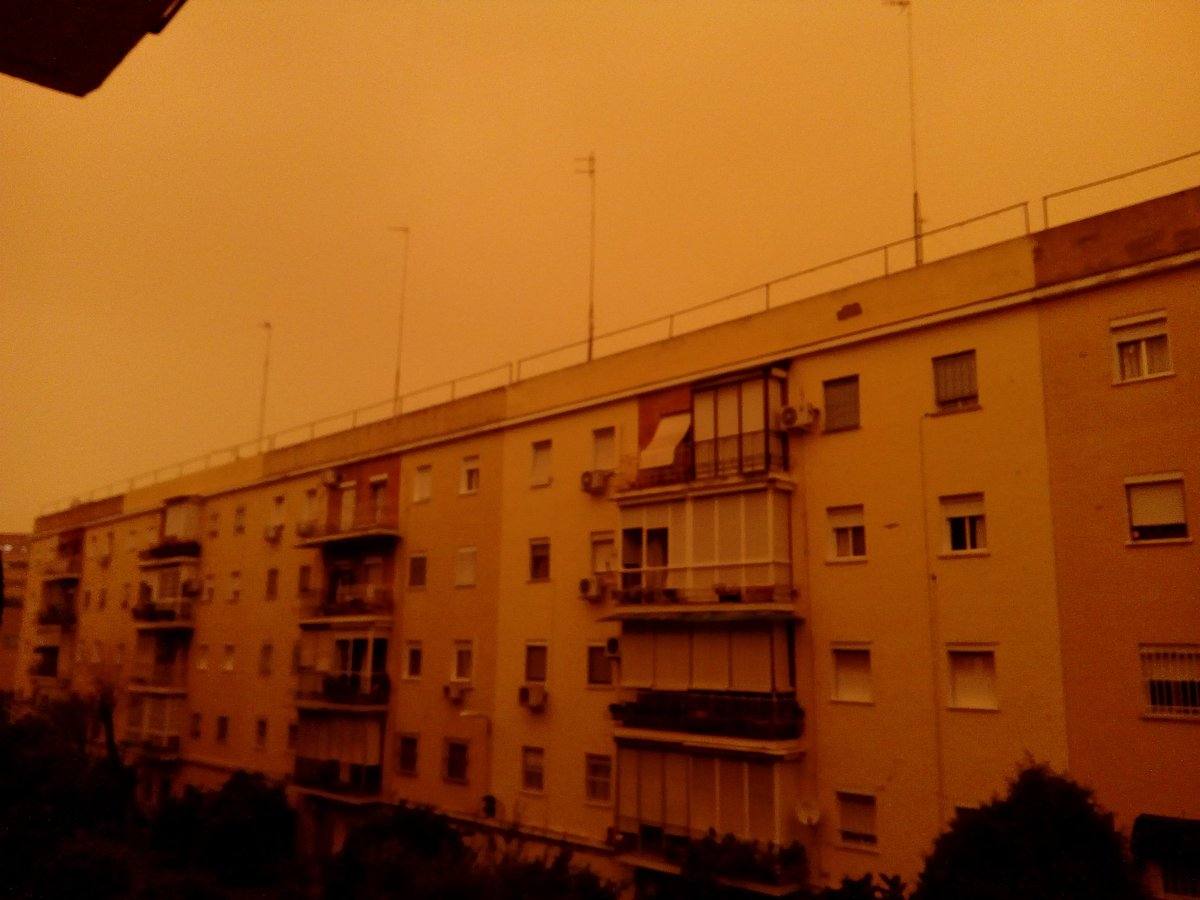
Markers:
{"x": 841, "y": 403}
{"x": 235, "y": 587}
{"x": 469, "y": 480}
{"x": 1140, "y": 347}
{"x": 347, "y": 509}
{"x": 378, "y": 498}
{"x": 417, "y": 570}
{"x": 966, "y": 525}
{"x": 412, "y": 659}
{"x": 848, "y": 534}
{"x": 973, "y": 679}
{"x": 304, "y": 580}
{"x": 539, "y": 559}
{"x": 852, "y": 674}
{"x": 1156, "y": 508}
{"x": 597, "y": 779}
{"x": 1171, "y": 675}
{"x": 194, "y": 731}
{"x": 126, "y": 595}
{"x": 604, "y": 449}
{"x": 214, "y": 524}
{"x": 202, "y": 657}
{"x": 103, "y": 599}
{"x": 272, "y": 584}
{"x": 456, "y": 761}
{"x": 309, "y": 511}
{"x": 733, "y": 428}
{"x": 954, "y": 381}
{"x": 535, "y": 662}
{"x": 227, "y": 659}
{"x": 422, "y": 484}
{"x": 260, "y": 734}
{"x": 210, "y": 590}
{"x": 265, "y": 653}
{"x": 293, "y": 735}
{"x": 599, "y": 665}
{"x": 533, "y": 769}
{"x": 856, "y": 818}
{"x": 222, "y": 729}
{"x": 539, "y": 474}
{"x": 239, "y": 520}
{"x": 464, "y": 661}
{"x": 406, "y": 754}
{"x": 277, "y": 512}
{"x": 604, "y": 552}
{"x": 464, "y": 567}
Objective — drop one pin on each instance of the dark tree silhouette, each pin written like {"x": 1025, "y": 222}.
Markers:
{"x": 1046, "y": 840}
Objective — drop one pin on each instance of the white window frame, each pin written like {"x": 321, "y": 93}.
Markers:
{"x": 604, "y": 438}
{"x": 959, "y": 401}
{"x": 466, "y": 563}
{"x": 843, "y": 691}
{"x": 1139, "y": 330}
{"x": 541, "y": 464}
{"x": 955, "y": 698}
{"x": 470, "y": 476}
{"x": 590, "y": 781}
{"x": 972, "y": 508}
{"x": 844, "y": 521}
{"x": 422, "y": 491}
{"x": 455, "y": 673}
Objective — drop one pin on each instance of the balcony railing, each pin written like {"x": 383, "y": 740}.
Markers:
{"x": 167, "y": 609}
{"x": 170, "y": 548}
{"x": 726, "y": 858}
{"x": 747, "y": 582}
{"x": 57, "y": 614}
{"x": 350, "y": 688}
{"x": 747, "y": 454}
{"x": 771, "y": 717}
{"x": 156, "y": 744}
{"x": 353, "y": 600}
{"x": 367, "y": 523}
{"x": 63, "y": 567}
{"x": 337, "y": 776}
{"x": 171, "y": 675}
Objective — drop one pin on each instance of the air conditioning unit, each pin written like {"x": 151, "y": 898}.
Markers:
{"x": 612, "y": 648}
{"x": 455, "y": 691}
{"x": 798, "y": 418}
{"x": 272, "y": 533}
{"x": 595, "y": 481}
{"x": 329, "y": 478}
{"x": 593, "y": 588}
{"x": 306, "y": 529}
{"x": 532, "y": 696}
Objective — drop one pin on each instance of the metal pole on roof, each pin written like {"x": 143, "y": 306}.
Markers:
{"x": 262, "y": 404}
{"x": 402, "y": 229}
{"x": 918, "y": 250}
{"x": 588, "y": 164}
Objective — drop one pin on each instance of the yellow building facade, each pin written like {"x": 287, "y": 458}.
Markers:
{"x": 817, "y": 577}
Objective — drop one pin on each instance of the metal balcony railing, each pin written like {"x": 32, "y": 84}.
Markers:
{"x": 64, "y": 566}
{"x": 350, "y": 688}
{"x": 747, "y": 582}
{"x": 351, "y": 600}
{"x": 160, "y": 675}
{"x": 57, "y": 614}
{"x": 747, "y": 454}
{"x": 338, "y": 776}
{"x": 774, "y": 716}
{"x": 366, "y": 522}
{"x": 170, "y": 547}
{"x": 165, "y": 609}
{"x": 154, "y": 743}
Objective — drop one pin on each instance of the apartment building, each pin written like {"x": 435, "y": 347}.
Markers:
{"x": 817, "y": 578}
{"x": 14, "y": 558}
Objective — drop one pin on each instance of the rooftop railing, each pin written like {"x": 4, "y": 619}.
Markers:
{"x": 865, "y": 265}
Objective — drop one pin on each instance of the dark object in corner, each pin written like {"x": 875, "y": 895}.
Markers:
{"x": 849, "y": 311}
{"x": 74, "y": 45}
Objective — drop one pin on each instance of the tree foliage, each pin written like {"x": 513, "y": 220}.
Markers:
{"x": 1046, "y": 840}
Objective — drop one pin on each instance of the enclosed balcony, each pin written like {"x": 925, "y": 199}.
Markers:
{"x": 744, "y": 714}
{"x": 63, "y": 568}
{"x": 161, "y": 663}
{"x": 154, "y": 726}
{"x": 339, "y": 754}
{"x": 168, "y": 600}
{"x": 178, "y": 532}
{"x": 60, "y": 615}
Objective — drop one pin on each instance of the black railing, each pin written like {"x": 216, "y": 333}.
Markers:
{"x": 170, "y": 548}
{"x": 725, "y": 713}
{"x": 748, "y": 453}
{"x": 57, "y": 614}
{"x": 351, "y": 600}
{"x": 350, "y": 688}
{"x": 333, "y": 775}
{"x": 162, "y": 611}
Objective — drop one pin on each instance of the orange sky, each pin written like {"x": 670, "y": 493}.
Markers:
{"x": 246, "y": 164}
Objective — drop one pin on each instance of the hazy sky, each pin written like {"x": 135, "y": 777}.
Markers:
{"x": 247, "y": 163}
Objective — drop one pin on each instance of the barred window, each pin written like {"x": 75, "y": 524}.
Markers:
{"x": 1171, "y": 675}
{"x": 841, "y": 403}
{"x": 954, "y": 381}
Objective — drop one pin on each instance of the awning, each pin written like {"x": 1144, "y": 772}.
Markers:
{"x": 661, "y": 449}
{"x": 1162, "y": 837}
